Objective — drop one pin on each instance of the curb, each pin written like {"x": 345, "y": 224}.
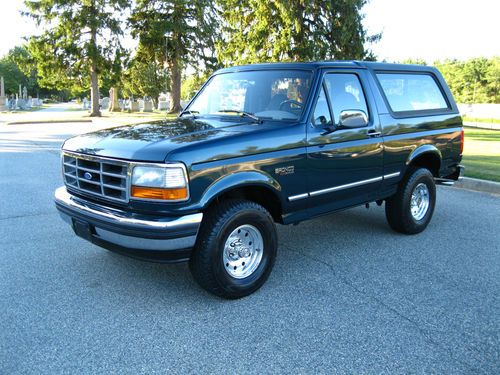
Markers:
{"x": 47, "y": 122}
{"x": 478, "y": 185}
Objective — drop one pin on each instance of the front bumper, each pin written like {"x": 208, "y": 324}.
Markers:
{"x": 147, "y": 237}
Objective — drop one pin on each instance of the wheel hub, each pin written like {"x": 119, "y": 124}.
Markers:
{"x": 243, "y": 251}
{"x": 420, "y": 201}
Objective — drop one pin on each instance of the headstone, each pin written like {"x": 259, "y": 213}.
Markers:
{"x": 113, "y": 103}
{"x": 141, "y": 104}
{"x": 163, "y": 103}
{"x": 28, "y": 102}
{"x": 148, "y": 105}
{"x": 104, "y": 102}
{"x": 3, "y": 99}
{"x": 25, "y": 93}
{"x": 86, "y": 104}
{"x": 133, "y": 106}
{"x": 12, "y": 102}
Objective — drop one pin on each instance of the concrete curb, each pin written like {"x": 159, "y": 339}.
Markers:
{"x": 47, "y": 122}
{"x": 478, "y": 185}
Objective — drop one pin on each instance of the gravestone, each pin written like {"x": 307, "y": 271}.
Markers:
{"x": 3, "y": 99}
{"x": 133, "y": 106}
{"x": 148, "y": 105}
{"x": 163, "y": 103}
{"x": 86, "y": 103}
{"x": 104, "y": 102}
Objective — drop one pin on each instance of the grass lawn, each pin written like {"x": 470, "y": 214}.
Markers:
{"x": 475, "y": 119}
{"x": 482, "y": 154}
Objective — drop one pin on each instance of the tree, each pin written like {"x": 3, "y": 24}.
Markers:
{"x": 293, "y": 30}
{"x": 80, "y": 42}
{"x": 145, "y": 78}
{"x": 177, "y": 33}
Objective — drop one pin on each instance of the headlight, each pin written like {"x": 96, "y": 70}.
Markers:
{"x": 167, "y": 183}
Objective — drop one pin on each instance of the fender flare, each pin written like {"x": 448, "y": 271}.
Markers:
{"x": 424, "y": 150}
{"x": 237, "y": 180}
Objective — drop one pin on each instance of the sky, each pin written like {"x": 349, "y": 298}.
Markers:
{"x": 426, "y": 29}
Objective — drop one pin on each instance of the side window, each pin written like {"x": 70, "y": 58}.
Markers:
{"x": 322, "y": 116}
{"x": 346, "y": 93}
{"x": 411, "y": 92}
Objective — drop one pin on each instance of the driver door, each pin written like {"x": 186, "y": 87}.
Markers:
{"x": 345, "y": 165}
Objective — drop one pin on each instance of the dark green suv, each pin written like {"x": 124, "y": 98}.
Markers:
{"x": 259, "y": 145}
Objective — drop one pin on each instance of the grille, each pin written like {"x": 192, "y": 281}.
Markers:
{"x": 92, "y": 175}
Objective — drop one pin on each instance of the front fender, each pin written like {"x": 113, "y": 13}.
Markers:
{"x": 240, "y": 179}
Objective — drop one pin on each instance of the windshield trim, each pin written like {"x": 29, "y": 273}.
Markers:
{"x": 312, "y": 88}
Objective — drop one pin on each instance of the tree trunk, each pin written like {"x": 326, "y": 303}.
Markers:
{"x": 175, "y": 72}
{"x": 94, "y": 94}
{"x": 95, "y": 110}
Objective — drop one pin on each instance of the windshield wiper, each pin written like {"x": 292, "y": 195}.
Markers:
{"x": 188, "y": 112}
{"x": 241, "y": 113}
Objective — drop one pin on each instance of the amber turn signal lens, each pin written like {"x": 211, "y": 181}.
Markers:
{"x": 159, "y": 193}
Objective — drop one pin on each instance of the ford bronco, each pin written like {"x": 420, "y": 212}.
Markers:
{"x": 259, "y": 145}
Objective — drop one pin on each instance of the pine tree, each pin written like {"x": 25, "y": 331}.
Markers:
{"x": 293, "y": 30}
{"x": 80, "y": 42}
{"x": 177, "y": 33}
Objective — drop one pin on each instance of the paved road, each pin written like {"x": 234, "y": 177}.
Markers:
{"x": 347, "y": 295}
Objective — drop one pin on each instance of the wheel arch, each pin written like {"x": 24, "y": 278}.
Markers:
{"x": 426, "y": 156}
{"x": 253, "y": 186}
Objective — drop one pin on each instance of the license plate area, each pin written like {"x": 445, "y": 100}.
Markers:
{"x": 83, "y": 229}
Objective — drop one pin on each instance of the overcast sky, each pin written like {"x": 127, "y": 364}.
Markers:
{"x": 428, "y": 29}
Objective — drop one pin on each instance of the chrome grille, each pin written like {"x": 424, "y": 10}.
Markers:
{"x": 97, "y": 176}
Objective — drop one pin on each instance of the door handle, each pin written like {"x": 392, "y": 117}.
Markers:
{"x": 373, "y": 133}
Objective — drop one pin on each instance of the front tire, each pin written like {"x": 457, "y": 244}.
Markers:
{"x": 410, "y": 210}
{"x": 235, "y": 250}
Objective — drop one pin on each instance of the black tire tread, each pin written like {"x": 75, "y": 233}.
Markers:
{"x": 214, "y": 220}
{"x": 395, "y": 206}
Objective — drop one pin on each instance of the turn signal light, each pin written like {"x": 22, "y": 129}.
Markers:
{"x": 159, "y": 193}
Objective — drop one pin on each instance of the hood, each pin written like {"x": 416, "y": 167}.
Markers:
{"x": 152, "y": 141}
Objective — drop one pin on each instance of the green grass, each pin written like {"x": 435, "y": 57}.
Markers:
{"x": 482, "y": 154}
{"x": 476, "y": 119}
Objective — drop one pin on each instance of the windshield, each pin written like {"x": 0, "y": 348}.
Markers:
{"x": 266, "y": 94}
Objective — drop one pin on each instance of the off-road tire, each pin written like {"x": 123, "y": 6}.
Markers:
{"x": 398, "y": 207}
{"x": 206, "y": 263}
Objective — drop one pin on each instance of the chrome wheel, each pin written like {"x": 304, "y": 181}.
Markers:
{"x": 243, "y": 251}
{"x": 420, "y": 200}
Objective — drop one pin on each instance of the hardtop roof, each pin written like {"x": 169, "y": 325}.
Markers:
{"x": 313, "y": 65}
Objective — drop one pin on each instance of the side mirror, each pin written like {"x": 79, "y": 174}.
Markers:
{"x": 353, "y": 118}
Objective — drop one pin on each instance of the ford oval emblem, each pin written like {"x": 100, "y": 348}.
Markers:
{"x": 87, "y": 176}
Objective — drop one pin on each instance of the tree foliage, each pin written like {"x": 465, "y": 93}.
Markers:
{"x": 145, "y": 77}
{"x": 178, "y": 33}
{"x": 80, "y": 42}
{"x": 475, "y": 80}
{"x": 293, "y": 30}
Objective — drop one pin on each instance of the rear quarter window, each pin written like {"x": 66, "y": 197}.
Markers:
{"x": 410, "y": 92}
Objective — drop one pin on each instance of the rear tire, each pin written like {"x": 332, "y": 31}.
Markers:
{"x": 235, "y": 249}
{"x": 410, "y": 210}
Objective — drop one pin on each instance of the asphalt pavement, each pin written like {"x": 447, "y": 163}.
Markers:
{"x": 347, "y": 295}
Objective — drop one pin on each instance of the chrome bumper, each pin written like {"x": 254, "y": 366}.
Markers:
{"x": 138, "y": 235}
